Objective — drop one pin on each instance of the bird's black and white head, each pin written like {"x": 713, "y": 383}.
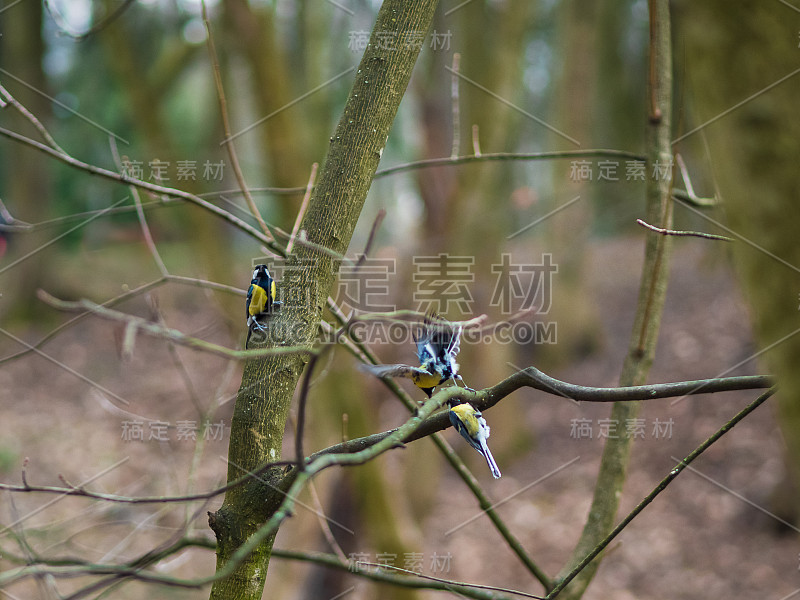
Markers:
{"x": 260, "y": 272}
{"x": 438, "y": 343}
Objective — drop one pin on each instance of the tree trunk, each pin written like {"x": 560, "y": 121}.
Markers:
{"x": 27, "y": 185}
{"x": 753, "y": 151}
{"x": 652, "y": 292}
{"x": 268, "y": 384}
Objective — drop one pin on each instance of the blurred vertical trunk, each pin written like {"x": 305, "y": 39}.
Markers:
{"x": 650, "y": 304}
{"x": 753, "y": 152}
{"x": 494, "y": 39}
{"x": 491, "y": 38}
{"x": 284, "y": 143}
{"x": 372, "y": 502}
{"x": 202, "y": 231}
{"x": 566, "y": 233}
{"x": 439, "y": 186}
{"x": 27, "y": 186}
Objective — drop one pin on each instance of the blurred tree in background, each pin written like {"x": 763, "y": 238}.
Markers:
{"x": 755, "y": 177}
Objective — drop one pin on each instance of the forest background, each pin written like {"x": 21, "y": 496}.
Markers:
{"x": 509, "y": 186}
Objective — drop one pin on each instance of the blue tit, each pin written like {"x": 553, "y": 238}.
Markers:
{"x": 437, "y": 347}
{"x": 469, "y": 422}
{"x": 261, "y": 300}
{"x": 438, "y": 343}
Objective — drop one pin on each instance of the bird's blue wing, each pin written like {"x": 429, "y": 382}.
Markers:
{"x": 249, "y": 299}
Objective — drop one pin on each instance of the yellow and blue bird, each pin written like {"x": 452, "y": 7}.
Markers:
{"x": 469, "y": 422}
{"x": 261, "y": 300}
{"x": 438, "y": 342}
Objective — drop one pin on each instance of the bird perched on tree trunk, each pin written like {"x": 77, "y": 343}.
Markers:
{"x": 261, "y": 300}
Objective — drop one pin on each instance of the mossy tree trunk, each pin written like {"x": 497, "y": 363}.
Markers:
{"x": 268, "y": 384}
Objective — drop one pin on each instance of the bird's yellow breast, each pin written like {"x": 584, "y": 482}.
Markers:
{"x": 258, "y": 301}
{"x": 466, "y": 414}
{"x": 426, "y": 380}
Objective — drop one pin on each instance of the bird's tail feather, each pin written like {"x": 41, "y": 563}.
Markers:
{"x": 487, "y": 454}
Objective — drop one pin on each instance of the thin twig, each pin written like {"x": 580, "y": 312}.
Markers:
{"x": 278, "y": 191}
{"x": 694, "y": 200}
{"x": 158, "y": 317}
{"x": 53, "y": 333}
{"x": 172, "y": 335}
{"x": 488, "y": 507}
{"x": 324, "y": 524}
{"x": 22, "y": 227}
{"x": 6, "y": 216}
{"x": 689, "y": 194}
{"x": 407, "y": 315}
{"x": 300, "y": 457}
{"x": 684, "y": 174}
{"x": 58, "y": 237}
{"x": 144, "y": 185}
{"x": 658, "y": 489}
{"x": 303, "y": 207}
{"x": 478, "y": 157}
{"x": 450, "y": 582}
{"x": 31, "y": 118}
{"x": 679, "y": 233}
{"x": 228, "y": 141}
{"x": 82, "y": 492}
{"x": 123, "y": 164}
{"x": 476, "y": 141}
{"x": 384, "y": 576}
{"x": 373, "y": 232}
{"x": 456, "y": 111}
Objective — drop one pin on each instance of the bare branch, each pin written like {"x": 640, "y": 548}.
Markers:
{"x": 30, "y": 117}
{"x": 678, "y": 233}
{"x": 657, "y": 490}
{"x": 456, "y": 111}
{"x": 477, "y": 157}
{"x": 172, "y": 335}
{"x": 376, "y": 224}
{"x": 301, "y": 409}
{"x": 688, "y": 195}
{"x": 533, "y": 378}
{"x": 144, "y": 185}
{"x": 123, "y": 164}
{"x": 82, "y": 492}
{"x": 411, "y": 580}
{"x": 303, "y": 207}
{"x": 228, "y": 141}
